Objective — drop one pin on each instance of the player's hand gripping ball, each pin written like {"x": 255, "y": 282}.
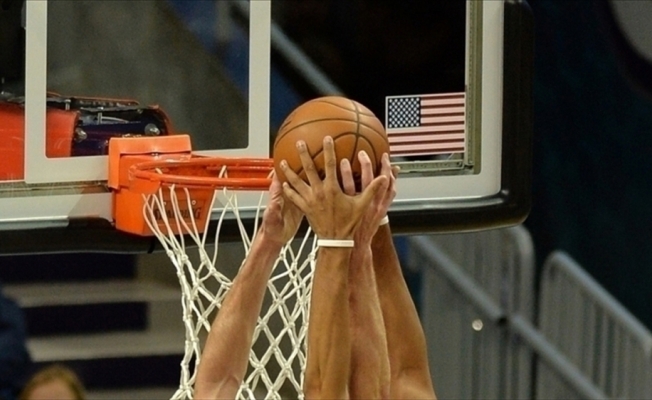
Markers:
{"x": 352, "y": 126}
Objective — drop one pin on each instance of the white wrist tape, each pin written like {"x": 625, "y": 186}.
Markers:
{"x": 384, "y": 221}
{"x": 335, "y": 243}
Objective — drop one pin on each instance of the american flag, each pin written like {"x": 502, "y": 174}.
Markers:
{"x": 426, "y": 124}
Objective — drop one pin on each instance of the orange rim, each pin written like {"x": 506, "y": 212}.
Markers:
{"x": 207, "y": 172}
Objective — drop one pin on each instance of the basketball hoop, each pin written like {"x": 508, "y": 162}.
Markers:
{"x": 162, "y": 189}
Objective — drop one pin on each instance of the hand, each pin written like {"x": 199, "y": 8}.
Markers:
{"x": 281, "y": 218}
{"x": 332, "y": 214}
{"x": 380, "y": 203}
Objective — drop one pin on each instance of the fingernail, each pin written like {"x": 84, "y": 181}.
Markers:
{"x": 284, "y": 164}
{"x": 385, "y": 157}
{"x": 328, "y": 139}
{"x": 301, "y": 144}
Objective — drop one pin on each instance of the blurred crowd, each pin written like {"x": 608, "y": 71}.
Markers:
{"x": 20, "y": 378}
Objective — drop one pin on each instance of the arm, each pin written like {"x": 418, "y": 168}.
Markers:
{"x": 404, "y": 338}
{"x": 410, "y": 373}
{"x": 329, "y": 338}
{"x": 226, "y": 353}
{"x": 370, "y": 369}
{"x": 332, "y": 215}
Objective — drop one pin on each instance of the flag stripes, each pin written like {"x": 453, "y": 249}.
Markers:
{"x": 426, "y": 124}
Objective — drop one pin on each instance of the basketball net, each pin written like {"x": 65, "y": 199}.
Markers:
{"x": 278, "y": 356}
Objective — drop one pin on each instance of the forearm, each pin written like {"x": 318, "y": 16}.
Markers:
{"x": 370, "y": 374}
{"x": 329, "y": 341}
{"x": 226, "y": 352}
{"x": 405, "y": 337}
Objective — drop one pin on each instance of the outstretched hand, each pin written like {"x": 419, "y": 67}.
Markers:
{"x": 332, "y": 214}
{"x": 281, "y": 218}
{"x": 383, "y": 199}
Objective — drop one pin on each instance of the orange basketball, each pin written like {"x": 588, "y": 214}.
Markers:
{"x": 352, "y": 126}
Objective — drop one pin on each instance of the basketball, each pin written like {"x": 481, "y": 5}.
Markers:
{"x": 352, "y": 126}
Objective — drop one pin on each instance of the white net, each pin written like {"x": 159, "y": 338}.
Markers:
{"x": 278, "y": 356}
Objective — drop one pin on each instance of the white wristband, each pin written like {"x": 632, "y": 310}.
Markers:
{"x": 335, "y": 243}
{"x": 384, "y": 221}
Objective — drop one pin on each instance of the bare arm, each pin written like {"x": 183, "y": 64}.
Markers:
{"x": 410, "y": 373}
{"x": 329, "y": 338}
{"x": 404, "y": 338}
{"x": 332, "y": 215}
{"x": 370, "y": 373}
{"x": 370, "y": 370}
{"x": 226, "y": 353}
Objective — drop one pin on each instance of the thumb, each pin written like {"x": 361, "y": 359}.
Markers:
{"x": 380, "y": 183}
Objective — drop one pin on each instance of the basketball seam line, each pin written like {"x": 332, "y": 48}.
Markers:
{"x": 358, "y": 137}
{"x": 357, "y": 131}
{"x": 330, "y": 119}
{"x": 343, "y": 108}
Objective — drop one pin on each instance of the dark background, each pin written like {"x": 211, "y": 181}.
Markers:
{"x": 593, "y": 126}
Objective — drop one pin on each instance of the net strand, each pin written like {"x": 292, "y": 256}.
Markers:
{"x": 278, "y": 357}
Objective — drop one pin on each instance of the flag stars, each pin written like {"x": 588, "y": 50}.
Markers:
{"x": 403, "y": 112}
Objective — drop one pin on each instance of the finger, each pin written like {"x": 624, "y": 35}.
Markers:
{"x": 294, "y": 197}
{"x": 386, "y": 170}
{"x": 289, "y": 208}
{"x": 392, "y": 174}
{"x": 293, "y": 179}
{"x": 330, "y": 161}
{"x": 385, "y": 166}
{"x": 388, "y": 198}
{"x": 274, "y": 188}
{"x": 377, "y": 185}
{"x": 395, "y": 170}
{"x": 308, "y": 163}
{"x": 348, "y": 183}
{"x": 275, "y": 179}
{"x": 366, "y": 169}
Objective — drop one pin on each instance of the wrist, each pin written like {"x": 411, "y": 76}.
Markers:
{"x": 335, "y": 243}
{"x": 343, "y": 253}
{"x": 363, "y": 240}
{"x": 268, "y": 241}
{"x": 381, "y": 236}
{"x": 334, "y": 235}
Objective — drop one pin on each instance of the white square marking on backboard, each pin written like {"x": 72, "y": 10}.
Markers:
{"x": 41, "y": 169}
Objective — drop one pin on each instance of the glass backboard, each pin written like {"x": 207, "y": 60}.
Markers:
{"x": 450, "y": 80}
